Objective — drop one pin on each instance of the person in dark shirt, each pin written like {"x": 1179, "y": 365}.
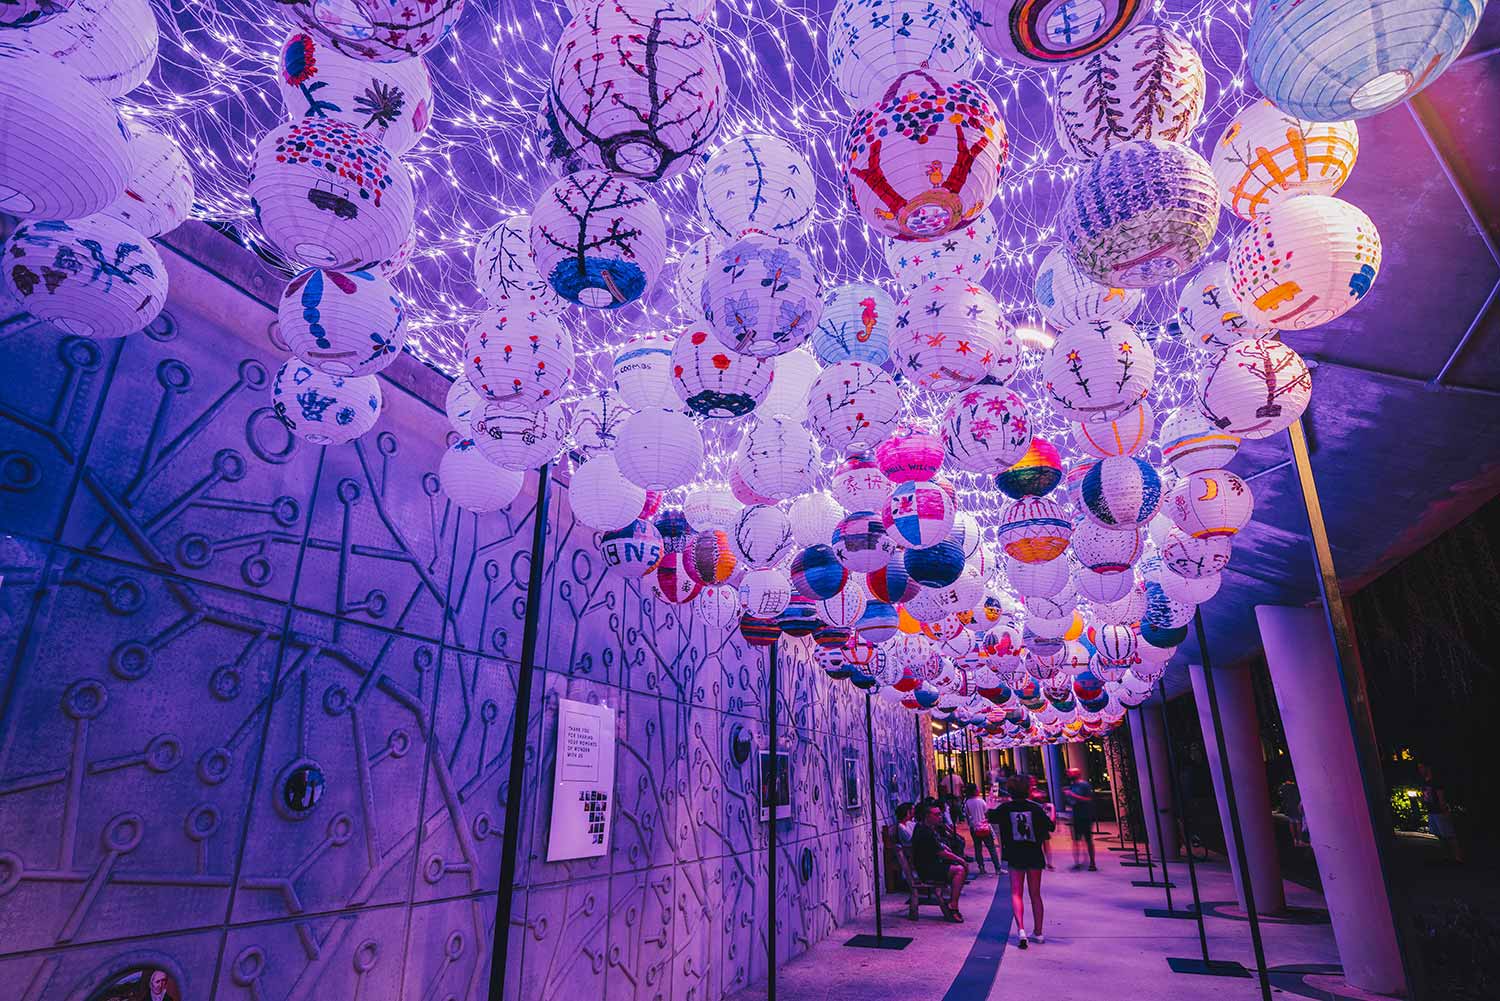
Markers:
{"x": 935, "y": 862}
{"x": 1024, "y": 828}
{"x": 1080, "y": 796}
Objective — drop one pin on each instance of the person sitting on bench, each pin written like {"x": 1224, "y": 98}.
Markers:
{"x": 936, "y": 863}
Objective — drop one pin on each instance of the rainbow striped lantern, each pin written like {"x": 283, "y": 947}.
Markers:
{"x": 765, "y": 591}
{"x": 859, "y": 485}
{"x": 1127, "y": 434}
{"x": 1034, "y": 474}
{"x": 390, "y": 101}
{"x": 860, "y": 543}
{"x": 643, "y": 372}
{"x": 872, "y": 42}
{"x": 800, "y": 617}
{"x": 937, "y": 565}
{"x": 1209, "y": 503}
{"x": 1328, "y": 60}
{"x": 718, "y": 608}
{"x": 852, "y": 405}
{"x": 759, "y": 632}
{"x": 709, "y": 558}
{"x": 1147, "y": 85}
{"x": 1190, "y": 443}
{"x": 763, "y": 535}
{"x": 505, "y": 270}
{"x": 1208, "y": 313}
{"x": 601, "y": 497}
{"x": 1050, "y": 33}
{"x": 473, "y": 482}
{"x": 878, "y": 623}
{"x": 1193, "y": 558}
{"x": 1303, "y": 263}
{"x": 599, "y": 240}
{"x": 342, "y": 323}
{"x": 1265, "y": 156}
{"x": 815, "y": 517}
{"x": 521, "y": 441}
{"x": 1066, "y": 296}
{"x": 951, "y": 334}
{"x": 776, "y": 458}
{"x": 920, "y": 512}
{"x": 1034, "y": 530}
{"x": 910, "y": 454}
{"x": 762, "y": 295}
{"x": 633, "y": 551}
{"x": 90, "y": 277}
{"x": 1121, "y": 492}
{"x": 714, "y": 381}
{"x": 1255, "y": 388}
{"x": 963, "y": 255}
{"x": 926, "y": 157}
{"x": 596, "y": 420}
{"x": 637, "y": 89}
{"x": 843, "y": 610}
{"x": 817, "y": 572}
{"x": 757, "y": 184}
{"x": 671, "y": 582}
{"x": 659, "y": 449}
{"x": 1098, "y": 370}
{"x": 986, "y": 429}
{"x": 1105, "y": 550}
{"x": 856, "y": 325}
{"x": 324, "y": 409}
{"x": 1140, "y": 214}
{"x": 518, "y": 358}
{"x": 159, "y": 197}
{"x": 709, "y": 508}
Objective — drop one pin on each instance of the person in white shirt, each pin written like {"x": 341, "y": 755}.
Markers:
{"x": 980, "y": 833}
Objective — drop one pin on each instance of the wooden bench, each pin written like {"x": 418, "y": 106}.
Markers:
{"x": 922, "y": 891}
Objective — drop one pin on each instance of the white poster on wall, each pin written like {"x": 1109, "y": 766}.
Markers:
{"x": 583, "y": 782}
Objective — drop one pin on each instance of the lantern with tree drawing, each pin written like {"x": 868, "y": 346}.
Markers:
{"x": 757, "y": 184}
{"x": 504, "y": 268}
{"x": 1255, "y": 388}
{"x": 1265, "y": 155}
{"x": 1147, "y": 85}
{"x": 391, "y": 101}
{"x": 599, "y": 240}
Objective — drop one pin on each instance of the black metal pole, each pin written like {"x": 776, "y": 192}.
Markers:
{"x": 1161, "y": 838}
{"x": 520, "y": 724}
{"x": 773, "y": 796}
{"x": 1179, "y": 803}
{"x": 1141, "y": 794}
{"x": 874, "y": 823}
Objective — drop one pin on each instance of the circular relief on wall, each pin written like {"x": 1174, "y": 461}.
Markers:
{"x": 139, "y": 983}
{"x": 807, "y": 865}
{"x": 739, "y": 744}
{"x": 298, "y": 788}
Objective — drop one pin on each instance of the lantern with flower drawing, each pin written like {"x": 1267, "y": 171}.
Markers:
{"x": 1098, "y": 370}
{"x": 951, "y": 334}
{"x": 379, "y": 30}
{"x": 762, "y": 295}
{"x": 986, "y": 429}
{"x": 391, "y": 101}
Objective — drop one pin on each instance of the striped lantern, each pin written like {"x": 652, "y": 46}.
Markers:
{"x": 762, "y": 296}
{"x": 891, "y": 583}
{"x": 1104, "y": 550}
{"x": 852, "y": 405}
{"x": 777, "y": 458}
{"x": 1101, "y": 588}
{"x": 1191, "y": 443}
{"x": 659, "y": 449}
{"x": 596, "y": 421}
{"x": 1140, "y": 214}
{"x": 90, "y": 277}
{"x": 632, "y": 551}
{"x": 860, "y": 543}
{"x": 324, "y": 409}
{"x": 756, "y": 183}
{"x": 1208, "y": 313}
{"x": 937, "y": 565}
{"x": 872, "y": 42}
{"x": 763, "y": 535}
{"x": 598, "y": 240}
{"x": 1116, "y": 644}
{"x": 601, "y": 497}
{"x": 473, "y": 482}
{"x": 1098, "y": 370}
{"x": 844, "y": 610}
{"x": 521, "y": 440}
{"x": 857, "y": 322}
{"x": 878, "y": 623}
{"x": 1051, "y": 33}
{"x": 518, "y": 358}
{"x": 1044, "y": 578}
{"x": 759, "y": 632}
{"x": 159, "y": 196}
{"x": 1328, "y": 60}
{"x": 1127, "y": 434}
{"x": 795, "y": 372}
{"x": 391, "y": 101}
{"x": 1265, "y": 156}
{"x": 462, "y": 405}
{"x": 342, "y": 322}
{"x": 1193, "y": 558}
{"x": 817, "y": 572}
{"x": 1066, "y": 296}
{"x": 637, "y": 89}
{"x": 674, "y": 528}
{"x": 800, "y": 617}
{"x": 1034, "y": 530}
{"x": 327, "y": 194}
{"x": 1148, "y": 84}
{"x": 1121, "y": 492}
{"x": 1209, "y": 503}
{"x": 1305, "y": 262}
{"x": 642, "y": 371}
{"x": 951, "y": 334}
{"x": 963, "y": 255}
{"x": 986, "y": 429}
{"x": 920, "y": 512}
{"x": 714, "y": 381}
{"x": 504, "y": 269}
{"x": 379, "y": 30}
{"x": 1034, "y": 474}
{"x": 859, "y": 485}
{"x": 926, "y": 157}
{"x": 910, "y": 454}
{"x": 709, "y": 508}
{"x": 1255, "y": 388}
{"x": 765, "y": 592}
{"x": 709, "y": 557}
{"x": 718, "y": 608}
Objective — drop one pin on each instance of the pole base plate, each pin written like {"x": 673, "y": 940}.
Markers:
{"x": 890, "y": 942}
{"x": 1209, "y": 968}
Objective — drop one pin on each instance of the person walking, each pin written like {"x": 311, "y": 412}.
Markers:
{"x": 935, "y": 863}
{"x": 1440, "y": 814}
{"x": 980, "y": 832}
{"x": 1079, "y": 795}
{"x": 1024, "y": 828}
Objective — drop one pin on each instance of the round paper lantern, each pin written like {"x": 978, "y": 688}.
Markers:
{"x": 1098, "y": 370}
{"x": 67, "y": 153}
{"x": 709, "y": 508}
{"x": 856, "y": 325}
{"x": 90, "y": 277}
{"x": 715, "y": 381}
{"x": 800, "y": 617}
{"x": 860, "y": 544}
{"x": 935, "y": 566}
{"x": 601, "y": 497}
{"x": 671, "y": 582}
{"x": 1146, "y": 85}
{"x": 1034, "y": 530}
{"x": 637, "y": 89}
{"x": 1102, "y": 588}
{"x": 1305, "y": 262}
{"x": 1255, "y": 388}
{"x": 1116, "y": 644}
{"x": 1164, "y": 612}
{"x": 817, "y": 572}
{"x": 599, "y": 240}
{"x": 159, "y": 196}
{"x": 633, "y": 551}
{"x": 852, "y": 405}
{"x": 1193, "y": 558}
{"x": 776, "y": 458}
{"x": 762, "y": 296}
{"x": 1066, "y": 296}
{"x": 1327, "y": 60}
{"x": 26, "y": 13}
{"x": 872, "y": 42}
{"x": 643, "y": 373}
{"x": 377, "y": 30}
{"x": 891, "y": 583}
{"x": 920, "y": 512}
{"x": 505, "y": 271}
{"x": 1128, "y": 610}
{"x": 1127, "y": 434}
{"x": 815, "y": 517}
{"x": 1191, "y": 443}
{"x": 1043, "y": 578}
{"x": 342, "y": 322}
{"x": 391, "y": 101}
{"x": 951, "y": 334}
{"x": 597, "y": 419}
{"x": 1193, "y": 590}
{"x": 692, "y": 269}
{"x": 1121, "y": 492}
{"x": 518, "y": 358}
{"x": 765, "y": 592}
{"x": 1266, "y": 155}
{"x": 659, "y": 449}
{"x": 521, "y": 440}
{"x": 859, "y": 485}
{"x": 759, "y": 632}
{"x": 718, "y": 608}
{"x": 1050, "y": 33}
{"x": 986, "y": 429}
{"x": 878, "y": 623}
{"x": 795, "y": 373}
{"x": 1213, "y": 502}
{"x": 324, "y": 409}
{"x": 1034, "y": 474}
{"x": 759, "y": 184}
{"x": 473, "y": 482}
{"x": 462, "y": 405}
{"x": 1208, "y": 313}
{"x": 1140, "y": 214}
{"x": 844, "y": 609}
{"x": 962, "y": 255}
{"x": 926, "y": 157}
{"x": 1160, "y": 636}
{"x": 763, "y": 535}
{"x": 1105, "y": 550}
{"x": 741, "y": 490}
{"x": 675, "y": 530}
{"x": 910, "y": 454}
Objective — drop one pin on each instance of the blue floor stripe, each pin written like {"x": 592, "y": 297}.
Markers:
{"x": 977, "y": 975}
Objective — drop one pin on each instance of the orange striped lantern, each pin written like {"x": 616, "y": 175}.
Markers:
{"x": 1128, "y": 434}
{"x": 1190, "y": 443}
{"x": 1266, "y": 155}
{"x": 709, "y": 557}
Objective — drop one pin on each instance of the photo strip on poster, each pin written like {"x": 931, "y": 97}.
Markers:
{"x": 583, "y": 781}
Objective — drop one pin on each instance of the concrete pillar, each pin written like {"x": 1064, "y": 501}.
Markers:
{"x": 1052, "y": 769}
{"x": 1148, "y": 735}
{"x": 1023, "y": 762}
{"x": 1077, "y": 757}
{"x": 1305, "y": 675}
{"x": 1247, "y": 770}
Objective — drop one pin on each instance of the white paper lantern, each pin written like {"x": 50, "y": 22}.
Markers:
{"x": 521, "y": 440}
{"x": 843, "y": 609}
{"x": 397, "y": 262}
{"x": 1328, "y": 60}
{"x": 1147, "y": 85}
{"x": 814, "y": 517}
{"x": 1265, "y": 156}
{"x": 1190, "y": 442}
{"x": 926, "y": 157}
{"x": 66, "y": 150}
{"x": 763, "y": 536}
{"x": 90, "y": 277}
{"x": 1102, "y": 588}
{"x": 1048, "y": 34}
{"x": 637, "y": 89}
{"x": 379, "y": 30}
{"x": 342, "y": 322}
{"x": 762, "y": 295}
{"x": 776, "y": 458}
{"x": 756, "y": 183}
{"x": 795, "y": 373}
{"x": 1193, "y": 590}
{"x": 691, "y": 270}
{"x": 324, "y": 409}
{"x": 598, "y": 240}
{"x": 1126, "y": 611}
{"x": 951, "y": 334}
{"x": 1208, "y": 503}
{"x": 1043, "y": 578}
{"x": 710, "y": 508}
{"x": 1054, "y": 606}
{"x": 853, "y": 405}
{"x": 110, "y": 43}
{"x": 329, "y": 195}
{"x": 714, "y": 381}
{"x": 504, "y": 268}
{"x": 764, "y": 592}
{"x": 859, "y": 485}
{"x": 518, "y": 358}
{"x": 1209, "y": 314}
{"x": 1140, "y": 214}
{"x": 986, "y": 429}
{"x": 861, "y": 544}
{"x": 872, "y": 42}
{"x": 1305, "y": 262}
{"x": 601, "y": 497}
{"x": 1255, "y": 388}
{"x": 660, "y": 449}
{"x": 474, "y": 483}
{"x": 1098, "y": 370}
{"x": 597, "y": 419}
{"x": 1195, "y": 558}
{"x": 857, "y": 322}
{"x": 1066, "y": 296}
{"x": 1106, "y": 550}
{"x": 462, "y": 405}
{"x": 391, "y": 101}
{"x": 1128, "y": 434}
{"x": 961, "y": 255}
{"x": 1122, "y": 492}
{"x": 159, "y": 196}
{"x": 718, "y": 608}
{"x": 643, "y": 372}
{"x": 1035, "y": 530}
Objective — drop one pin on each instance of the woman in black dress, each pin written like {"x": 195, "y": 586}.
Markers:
{"x": 1024, "y": 828}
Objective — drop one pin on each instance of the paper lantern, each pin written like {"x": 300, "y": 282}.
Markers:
{"x": 27, "y": 13}
{"x": 872, "y": 42}
{"x": 815, "y": 517}
{"x": 763, "y": 535}
{"x": 643, "y": 373}
{"x": 1266, "y": 155}
{"x": 342, "y": 322}
{"x": 860, "y": 543}
{"x": 90, "y": 277}
{"x": 692, "y": 269}
{"x": 67, "y": 154}
{"x": 795, "y": 373}
{"x": 1255, "y": 388}
{"x": 391, "y": 101}
{"x": 765, "y": 592}
{"x": 777, "y": 457}
{"x": 1066, "y": 296}
{"x": 1327, "y": 60}
{"x": 759, "y": 632}
{"x": 1208, "y": 313}
{"x": 473, "y": 482}
{"x": 710, "y": 508}
{"x": 1048, "y": 34}
{"x": 859, "y": 485}
{"x": 1165, "y": 612}
{"x": 327, "y": 194}
{"x": 852, "y": 405}
{"x": 633, "y": 551}
{"x": 1191, "y": 443}
{"x": 891, "y": 583}
{"x": 378, "y": 30}
{"x": 1043, "y": 578}
{"x": 1121, "y": 492}
{"x": 920, "y": 512}
{"x": 926, "y": 157}
{"x": 324, "y": 409}
{"x": 986, "y": 429}
{"x": 462, "y": 404}
{"x": 637, "y": 89}
{"x": 718, "y": 608}
{"x": 1103, "y": 587}
{"x": 962, "y": 255}
{"x": 817, "y": 572}
{"x": 1140, "y": 214}
{"x": 856, "y": 325}
{"x": 1193, "y": 590}
{"x": 756, "y": 183}
{"x": 596, "y": 421}
{"x": 762, "y": 296}
{"x": 598, "y": 240}
{"x": 1209, "y": 503}
{"x": 520, "y": 439}
{"x": 1191, "y": 557}
{"x": 1034, "y": 530}
{"x": 1127, "y": 434}
{"x": 800, "y": 617}
{"x": 1146, "y": 85}
{"x": 1305, "y": 262}
{"x": 601, "y": 497}
{"x": 715, "y": 381}
{"x": 671, "y": 582}
{"x": 878, "y": 623}
{"x": 159, "y": 195}
{"x": 741, "y": 490}
{"x": 397, "y": 262}
{"x": 1126, "y": 611}
{"x": 505, "y": 270}
{"x": 674, "y": 528}
{"x": 709, "y": 558}
{"x": 659, "y": 449}
{"x": 910, "y": 454}
{"x": 951, "y": 334}
{"x": 518, "y": 358}
{"x": 1098, "y": 370}
{"x": 1116, "y": 644}
{"x": 937, "y": 565}
{"x": 1105, "y": 550}
{"x": 1034, "y": 474}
